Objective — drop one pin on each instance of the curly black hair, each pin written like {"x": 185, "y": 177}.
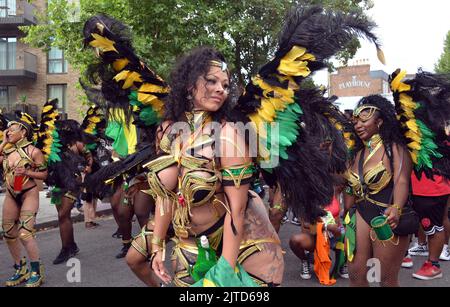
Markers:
{"x": 184, "y": 76}
{"x": 390, "y": 130}
{"x": 70, "y": 132}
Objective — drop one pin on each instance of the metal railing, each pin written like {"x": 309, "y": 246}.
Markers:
{"x": 17, "y": 12}
{"x": 30, "y": 62}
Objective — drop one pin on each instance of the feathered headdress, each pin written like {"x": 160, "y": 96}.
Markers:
{"x": 28, "y": 122}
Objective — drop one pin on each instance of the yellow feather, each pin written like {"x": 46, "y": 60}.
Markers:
{"x": 408, "y": 105}
{"x": 412, "y": 125}
{"x": 102, "y": 43}
{"x": 294, "y": 62}
{"x": 122, "y": 75}
{"x": 158, "y": 105}
{"x": 415, "y": 146}
{"x": 308, "y": 57}
{"x": 129, "y": 77}
{"x": 414, "y": 156}
{"x": 268, "y": 110}
{"x": 153, "y": 88}
{"x": 413, "y": 136}
{"x": 272, "y": 92}
{"x": 277, "y": 103}
{"x": 397, "y": 85}
{"x": 146, "y": 98}
{"x": 47, "y": 108}
{"x": 120, "y": 64}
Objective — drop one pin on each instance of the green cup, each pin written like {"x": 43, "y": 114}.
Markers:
{"x": 381, "y": 228}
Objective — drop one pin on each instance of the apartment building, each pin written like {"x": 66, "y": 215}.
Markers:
{"x": 29, "y": 76}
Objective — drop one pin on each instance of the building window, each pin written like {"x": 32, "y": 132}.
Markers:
{"x": 8, "y": 53}
{"x": 385, "y": 87}
{"x": 7, "y": 98}
{"x": 7, "y": 8}
{"x": 56, "y": 62}
{"x": 58, "y": 91}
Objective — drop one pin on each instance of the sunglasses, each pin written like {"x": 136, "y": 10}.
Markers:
{"x": 358, "y": 115}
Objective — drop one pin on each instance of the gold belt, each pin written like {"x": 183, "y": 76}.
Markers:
{"x": 248, "y": 248}
{"x": 373, "y": 202}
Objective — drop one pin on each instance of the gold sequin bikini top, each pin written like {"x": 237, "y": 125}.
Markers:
{"x": 198, "y": 177}
{"x": 24, "y": 161}
{"x": 376, "y": 179}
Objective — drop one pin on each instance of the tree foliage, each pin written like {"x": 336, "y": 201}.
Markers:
{"x": 443, "y": 65}
{"x": 245, "y": 31}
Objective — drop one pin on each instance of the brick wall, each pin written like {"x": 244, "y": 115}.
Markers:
{"x": 355, "y": 81}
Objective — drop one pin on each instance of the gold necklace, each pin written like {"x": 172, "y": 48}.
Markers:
{"x": 373, "y": 142}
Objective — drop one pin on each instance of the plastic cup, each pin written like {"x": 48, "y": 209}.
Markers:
{"x": 381, "y": 228}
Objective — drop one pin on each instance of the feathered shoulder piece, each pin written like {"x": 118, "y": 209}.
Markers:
{"x": 93, "y": 120}
{"x": 423, "y": 109}
{"x": 307, "y": 122}
{"x": 125, "y": 79}
{"x": 48, "y": 137}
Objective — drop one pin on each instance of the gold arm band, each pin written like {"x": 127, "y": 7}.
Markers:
{"x": 157, "y": 241}
{"x": 237, "y": 173}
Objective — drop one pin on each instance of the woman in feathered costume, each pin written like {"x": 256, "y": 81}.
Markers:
{"x": 131, "y": 147}
{"x": 202, "y": 176}
{"x": 393, "y": 140}
{"x": 65, "y": 176}
{"x": 23, "y": 164}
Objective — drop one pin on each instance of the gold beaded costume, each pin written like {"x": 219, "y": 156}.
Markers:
{"x": 196, "y": 190}
{"x": 283, "y": 114}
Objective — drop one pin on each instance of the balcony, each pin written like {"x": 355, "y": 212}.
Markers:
{"x": 25, "y": 69}
{"x": 15, "y": 14}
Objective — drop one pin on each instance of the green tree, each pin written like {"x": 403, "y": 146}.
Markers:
{"x": 245, "y": 31}
{"x": 443, "y": 65}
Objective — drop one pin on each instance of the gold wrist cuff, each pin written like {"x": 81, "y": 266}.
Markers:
{"x": 160, "y": 249}
{"x": 279, "y": 207}
{"x": 157, "y": 241}
{"x": 399, "y": 209}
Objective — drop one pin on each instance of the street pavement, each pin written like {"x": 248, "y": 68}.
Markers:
{"x": 99, "y": 267}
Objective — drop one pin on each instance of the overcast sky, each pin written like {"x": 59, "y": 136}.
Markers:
{"x": 412, "y": 33}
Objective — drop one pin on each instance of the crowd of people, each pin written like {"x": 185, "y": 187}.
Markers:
{"x": 174, "y": 155}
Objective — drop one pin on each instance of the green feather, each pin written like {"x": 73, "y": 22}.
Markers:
{"x": 287, "y": 121}
{"x": 149, "y": 116}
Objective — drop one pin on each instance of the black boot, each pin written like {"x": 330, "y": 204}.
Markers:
{"x": 64, "y": 255}
{"x": 124, "y": 250}
{"x": 74, "y": 249}
{"x": 117, "y": 234}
